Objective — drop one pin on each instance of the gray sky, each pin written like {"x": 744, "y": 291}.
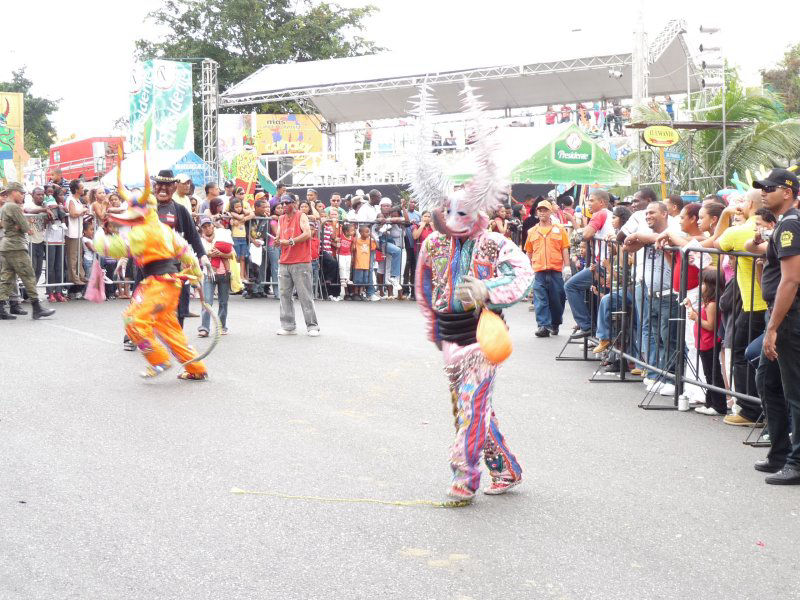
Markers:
{"x": 88, "y": 63}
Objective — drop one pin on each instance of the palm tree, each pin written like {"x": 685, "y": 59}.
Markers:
{"x": 768, "y": 140}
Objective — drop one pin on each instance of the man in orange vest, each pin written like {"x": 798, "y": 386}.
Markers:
{"x": 548, "y": 248}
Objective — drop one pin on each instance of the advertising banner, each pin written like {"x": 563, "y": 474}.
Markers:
{"x": 572, "y": 150}
{"x": 161, "y": 103}
{"x": 12, "y": 136}
{"x": 287, "y": 134}
{"x": 141, "y": 105}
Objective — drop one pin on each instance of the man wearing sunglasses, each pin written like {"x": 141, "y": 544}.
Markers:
{"x": 778, "y": 374}
{"x": 294, "y": 273}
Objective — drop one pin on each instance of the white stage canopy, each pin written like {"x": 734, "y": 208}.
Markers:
{"x": 379, "y": 86}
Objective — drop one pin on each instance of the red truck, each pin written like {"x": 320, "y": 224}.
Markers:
{"x": 90, "y": 157}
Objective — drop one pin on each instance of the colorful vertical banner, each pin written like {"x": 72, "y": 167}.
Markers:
{"x": 172, "y": 108}
{"x": 161, "y": 103}
{"x": 12, "y": 136}
{"x": 141, "y": 105}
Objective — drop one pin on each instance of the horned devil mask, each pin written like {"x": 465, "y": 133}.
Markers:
{"x": 461, "y": 214}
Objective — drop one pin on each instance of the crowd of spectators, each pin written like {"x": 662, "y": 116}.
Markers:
{"x": 718, "y": 260}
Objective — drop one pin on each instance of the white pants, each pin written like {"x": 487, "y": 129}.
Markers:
{"x": 344, "y": 266}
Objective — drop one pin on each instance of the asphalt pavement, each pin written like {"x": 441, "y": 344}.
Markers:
{"x": 113, "y": 487}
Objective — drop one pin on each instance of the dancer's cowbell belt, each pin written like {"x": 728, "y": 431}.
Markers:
{"x": 166, "y": 266}
{"x": 460, "y": 328}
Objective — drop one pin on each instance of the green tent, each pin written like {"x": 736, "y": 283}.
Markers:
{"x": 572, "y": 157}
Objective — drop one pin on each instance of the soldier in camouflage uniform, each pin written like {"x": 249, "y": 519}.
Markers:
{"x": 14, "y": 253}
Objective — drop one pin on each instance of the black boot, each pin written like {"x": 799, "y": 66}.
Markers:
{"x": 39, "y": 312}
{"x": 16, "y": 309}
{"x": 4, "y": 316}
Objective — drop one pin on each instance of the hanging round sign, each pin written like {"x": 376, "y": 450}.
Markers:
{"x": 661, "y": 136}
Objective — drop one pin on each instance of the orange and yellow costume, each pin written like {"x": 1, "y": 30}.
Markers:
{"x": 151, "y": 318}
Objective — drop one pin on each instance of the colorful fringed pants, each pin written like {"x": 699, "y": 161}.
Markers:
{"x": 151, "y": 318}
{"x": 471, "y": 379}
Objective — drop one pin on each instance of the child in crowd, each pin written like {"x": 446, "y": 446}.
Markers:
{"x": 54, "y": 238}
{"x": 115, "y": 205}
{"x": 88, "y": 246}
{"x": 258, "y": 229}
{"x": 344, "y": 246}
{"x": 218, "y": 245}
{"x": 110, "y": 264}
{"x": 273, "y": 250}
{"x": 239, "y": 233}
{"x": 765, "y": 223}
{"x": 315, "y": 248}
{"x": 363, "y": 247}
{"x": 708, "y": 342}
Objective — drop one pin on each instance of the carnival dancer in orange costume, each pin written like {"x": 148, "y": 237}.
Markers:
{"x": 151, "y": 318}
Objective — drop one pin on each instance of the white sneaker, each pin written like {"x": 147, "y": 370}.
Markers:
{"x": 654, "y": 386}
{"x": 708, "y": 410}
{"x": 313, "y": 333}
{"x": 337, "y": 298}
{"x": 286, "y": 331}
{"x": 648, "y": 382}
{"x": 667, "y": 389}
{"x": 374, "y": 298}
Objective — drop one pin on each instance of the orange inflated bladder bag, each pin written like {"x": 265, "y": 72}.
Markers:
{"x": 493, "y": 337}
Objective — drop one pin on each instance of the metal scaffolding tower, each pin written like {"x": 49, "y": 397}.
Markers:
{"x": 641, "y": 56}
{"x": 209, "y": 92}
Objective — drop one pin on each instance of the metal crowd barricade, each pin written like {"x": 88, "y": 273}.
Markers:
{"x": 50, "y": 260}
{"x": 687, "y": 373}
{"x": 647, "y": 320}
{"x": 328, "y": 268}
{"x": 597, "y": 254}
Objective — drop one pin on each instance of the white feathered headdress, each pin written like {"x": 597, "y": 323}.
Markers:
{"x": 429, "y": 185}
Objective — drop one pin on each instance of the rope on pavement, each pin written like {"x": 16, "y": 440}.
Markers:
{"x": 445, "y": 504}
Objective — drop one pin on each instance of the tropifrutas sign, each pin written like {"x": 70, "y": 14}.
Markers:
{"x": 661, "y": 136}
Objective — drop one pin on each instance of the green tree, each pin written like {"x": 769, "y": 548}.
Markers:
{"x": 769, "y": 139}
{"x": 39, "y": 130}
{"x": 784, "y": 80}
{"x": 244, "y": 35}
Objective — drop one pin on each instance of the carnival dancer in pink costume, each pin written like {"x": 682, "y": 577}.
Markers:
{"x": 462, "y": 267}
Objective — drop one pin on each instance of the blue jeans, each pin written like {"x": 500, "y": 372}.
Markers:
{"x": 607, "y": 303}
{"x": 396, "y": 255}
{"x": 752, "y": 353}
{"x": 222, "y": 283}
{"x": 642, "y": 301}
{"x": 549, "y": 298}
{"x": 274, "y": 254}
{"x": 576, "y": 289}
{"x": 314, "y": 277}
{"x": 663, "y": 334}
{"x": 363, "y": 277}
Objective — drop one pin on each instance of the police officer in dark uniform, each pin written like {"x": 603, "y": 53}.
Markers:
{"x": 778, "y": 374}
